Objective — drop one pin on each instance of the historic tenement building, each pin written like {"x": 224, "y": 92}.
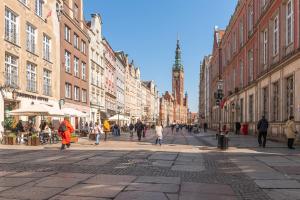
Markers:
{"x": 180, "y": 104}
{"x": 74, "y": 73}
{"x": 258, "y": 59}
{"x": 96, "y": 69}
{"x": 204, "y": 91}
{"x": 29, "y": 55}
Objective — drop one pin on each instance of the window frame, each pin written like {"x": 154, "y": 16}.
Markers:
{"x": 46, "y": 47}
{"x": 68, "y": 86}
{"x": 289, "y": 16}
{"x": 67, "y": 61}
{"x": 31, "y": 77}
{"x": 276, "y": 35}
{"x": 47, "y": 83}
{"x": 11, "y": 32}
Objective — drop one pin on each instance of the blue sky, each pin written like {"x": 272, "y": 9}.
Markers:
{"x": 147, "y": 31}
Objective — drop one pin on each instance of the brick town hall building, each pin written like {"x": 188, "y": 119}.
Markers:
{"x": 174, "y": 107}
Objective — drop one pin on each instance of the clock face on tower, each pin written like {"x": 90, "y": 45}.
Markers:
{"x": 176, "y": 74}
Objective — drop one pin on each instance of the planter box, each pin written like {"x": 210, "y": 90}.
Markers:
{"x": 9, "y": 140}
{"x": 33, "y": 141}
{"x": 74, "y": 139}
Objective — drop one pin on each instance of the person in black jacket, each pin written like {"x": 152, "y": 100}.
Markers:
{"x": 237, "y": 128}
{"x": 262, "y": 127}
{"x": 139, "y": 127}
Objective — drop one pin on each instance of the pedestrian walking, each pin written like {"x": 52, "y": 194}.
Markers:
{"x": 139, "y": 127}
{"x": 144, "y": 130}
{"x": 91, "y": 127}
{"x": 290, "y": 132}
{"x": 131, "y": 129}
{"x": 159, "y": 133}
{"x": 106, "y": 128}
{"x": 98, "y": 131}
{"x": 237, "y": 128}
{"x": 65, "y": 130}
{"x": 177, "y": 128}
{"x": 205, "y": 127}
{"x": 172, "y": 127}
{"x": 262, "y": 127}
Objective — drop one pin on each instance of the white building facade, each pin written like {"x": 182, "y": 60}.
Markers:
{"x": 96, "y": 90}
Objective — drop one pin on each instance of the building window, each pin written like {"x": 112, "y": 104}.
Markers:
{"x": 265, "y": 102}
{"x": 76, "y": 66}
{"x": 250, "y": 65}
{"x": 234, "y": 42}
{"x": 289, "y": 22}
{"x": 83, "y": 71}
{"x": 276, "y": 101}
{"x": 241, "y": 110}
{"x": 263, "y": 4}
{"x": 11, "y": 71}
{"x": 290, "y": 97}
{"x": 30, "y": 40}
{"x": 241, "y": 73}
{"x": 241, "y": 33}
{"x": 10, "y": 26}
{"x": 46, "y": 47}
{"x": 76, "y": 11}
{"x": 76, "y": 93}
{"x": 76, "y": 41}
{"x": 233, "y": 78}
{"x": 24, "y": 2}
{"x": 47, "y": 82}
{"x": 83, "y": 47}
{"x": 276, "y": 36}
{"x": 67, "y": 33}
{"x": 31, "y": 77}
{"x": 83, "y": 95}
{"x": 68, "y": 90}
{"x": 265, "y": 48}
{"x": 39, "y": 7}
{"x": 68, "y": 61}
{"x": 251, "y": 108}
{"x": 250, "y": 19}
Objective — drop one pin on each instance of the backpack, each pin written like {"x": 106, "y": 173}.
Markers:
{"x": 62, "y": 128}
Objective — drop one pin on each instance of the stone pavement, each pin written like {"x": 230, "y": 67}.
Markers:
{"x": 185, "y": 167}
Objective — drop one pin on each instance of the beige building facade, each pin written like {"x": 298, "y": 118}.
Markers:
{"x": 29, "y": 55}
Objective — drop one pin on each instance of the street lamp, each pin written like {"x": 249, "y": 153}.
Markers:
{"x": 219, "y": 96}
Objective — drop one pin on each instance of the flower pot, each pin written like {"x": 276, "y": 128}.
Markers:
{"x": 33, "y": 141}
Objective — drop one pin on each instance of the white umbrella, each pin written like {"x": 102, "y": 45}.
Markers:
{"x": 120, "y": 118}
{"x": 37, "y": 110}
{"x": 73, "y": 112}
{"x": 31, "y": 110}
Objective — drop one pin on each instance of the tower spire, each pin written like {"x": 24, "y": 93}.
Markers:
{"x": 178, "y": 65}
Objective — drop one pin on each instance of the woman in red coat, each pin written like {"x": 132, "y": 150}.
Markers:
{"x": 65, "y": 130}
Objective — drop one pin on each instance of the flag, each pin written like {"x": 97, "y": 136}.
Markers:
{"x": 223, "y": 103}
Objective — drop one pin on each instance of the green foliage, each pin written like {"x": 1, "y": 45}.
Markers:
{"x": 8, "y": 123}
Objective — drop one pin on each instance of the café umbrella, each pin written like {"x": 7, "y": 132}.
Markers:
{"x": 36, "y": 110}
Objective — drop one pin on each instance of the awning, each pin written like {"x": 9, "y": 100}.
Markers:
{"x": 36, "y": 110}
{"x": 119, "y": 117}
{"x": 73, "y": 112}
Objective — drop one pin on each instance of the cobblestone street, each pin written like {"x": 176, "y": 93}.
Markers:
{"x": 185, "y": 167}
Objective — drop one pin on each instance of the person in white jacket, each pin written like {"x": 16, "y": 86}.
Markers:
{"x": 290, "y": 132}
{"x": 159, "y": 133}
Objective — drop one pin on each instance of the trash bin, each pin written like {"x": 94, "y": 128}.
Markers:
{"x": 245, "y": 129}
{"x": 222, "y": 142}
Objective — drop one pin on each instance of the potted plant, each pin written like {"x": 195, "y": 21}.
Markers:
{"x": 10, "y": 139}
{"x": 33, "y": 140}
{"x": 74, "y": 138}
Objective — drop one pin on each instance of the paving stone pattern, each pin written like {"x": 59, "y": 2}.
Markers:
{"x": 192, "y": 169}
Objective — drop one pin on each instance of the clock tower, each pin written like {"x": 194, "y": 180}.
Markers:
{"x": 178, "y": 77}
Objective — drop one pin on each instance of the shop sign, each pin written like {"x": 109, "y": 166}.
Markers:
{"x": 29, "y": 96}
